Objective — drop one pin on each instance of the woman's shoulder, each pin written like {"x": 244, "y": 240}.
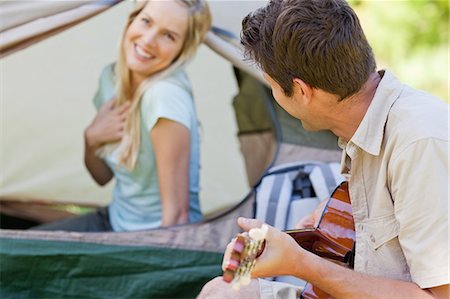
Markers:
{"x": 172, "y": 93}
{"x": 169, "y": 98}
{"x": 107, "y": 73}
{"x": 106, "y": 86}
{"x": 172, "y": 90}
{"x": 177, "y": 81}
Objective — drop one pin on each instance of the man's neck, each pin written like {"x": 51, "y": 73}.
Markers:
{"x": 352, "y": 110}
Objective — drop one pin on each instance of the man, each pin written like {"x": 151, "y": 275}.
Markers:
{"x": 395, "y": 156}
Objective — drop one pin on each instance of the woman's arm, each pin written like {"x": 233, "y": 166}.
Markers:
{"x": 98, "y": 169}
{"x": 171, "y": 143}
{"x": 107, "y": 127}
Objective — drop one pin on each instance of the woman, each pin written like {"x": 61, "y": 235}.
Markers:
{"x": 145, "y": 133}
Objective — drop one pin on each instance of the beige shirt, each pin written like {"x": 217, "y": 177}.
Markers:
{"x": 398, "y": 170}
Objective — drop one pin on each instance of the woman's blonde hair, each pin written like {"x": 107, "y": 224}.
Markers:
{"x": 199, "y": 22}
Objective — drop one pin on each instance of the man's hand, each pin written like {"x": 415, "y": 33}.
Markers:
{"x": 312, "y": 220}
{"x": 280, "y": 255}
{"x": 279, "y": 246}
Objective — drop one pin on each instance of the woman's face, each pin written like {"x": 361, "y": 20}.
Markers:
{"x": 155, "y": 37}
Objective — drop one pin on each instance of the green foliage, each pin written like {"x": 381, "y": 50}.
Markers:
{"x": 74, "y": 209}
{"x": 411, "y": 39}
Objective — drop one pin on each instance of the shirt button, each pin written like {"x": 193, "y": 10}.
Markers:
{"x": 372, "y": 238}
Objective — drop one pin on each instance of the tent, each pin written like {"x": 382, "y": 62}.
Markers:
{"x": 47, "y": 88}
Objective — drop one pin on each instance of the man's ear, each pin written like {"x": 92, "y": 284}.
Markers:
{"x": 303, "y": 89}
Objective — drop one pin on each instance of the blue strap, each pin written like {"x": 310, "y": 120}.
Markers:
{"x": 273, "y": 200}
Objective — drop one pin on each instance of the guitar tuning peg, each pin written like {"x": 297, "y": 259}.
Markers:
{"x": 259, "y": 234}
{"x": 239, "y": 244}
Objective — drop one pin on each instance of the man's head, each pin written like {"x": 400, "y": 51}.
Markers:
{"x": 320, "y": 42}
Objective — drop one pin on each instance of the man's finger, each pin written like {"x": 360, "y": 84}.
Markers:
{"x": 227, "y": 254}
{"x": 248, "y": 223}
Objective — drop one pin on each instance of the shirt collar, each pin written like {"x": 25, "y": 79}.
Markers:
{"x": 369, "y": 135}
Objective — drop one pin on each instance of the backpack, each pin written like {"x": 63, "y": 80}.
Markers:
{"x": 286, "y": 193}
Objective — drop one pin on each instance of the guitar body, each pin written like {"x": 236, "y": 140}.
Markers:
{"x": 334, "y": 237}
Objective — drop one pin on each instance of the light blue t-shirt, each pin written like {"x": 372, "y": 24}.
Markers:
{"x": 136, "y": 201}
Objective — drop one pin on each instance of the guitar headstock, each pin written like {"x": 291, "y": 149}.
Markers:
{"x": 247, "y": 247}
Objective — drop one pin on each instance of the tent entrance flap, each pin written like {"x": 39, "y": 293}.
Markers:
{"x": 28, "y": 22}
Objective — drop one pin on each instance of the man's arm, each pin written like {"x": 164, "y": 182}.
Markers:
{"x": 342, "y": 282}
{"x": 283, "y": 256}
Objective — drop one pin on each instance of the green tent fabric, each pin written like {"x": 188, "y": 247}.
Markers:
{"x": 257, "y": 111}
{"x": 60, "y": 269}
{"x": 252, "y": 116}
{"x": 173, "y": 262}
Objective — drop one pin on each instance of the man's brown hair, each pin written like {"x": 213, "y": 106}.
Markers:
{"x": 318, "y": 41}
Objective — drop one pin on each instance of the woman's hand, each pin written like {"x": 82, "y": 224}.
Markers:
{"x": 108, "y": 125}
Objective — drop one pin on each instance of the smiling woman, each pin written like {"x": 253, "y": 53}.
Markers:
{"x": 145, "y": 134}
{"x": 153, "y": 41}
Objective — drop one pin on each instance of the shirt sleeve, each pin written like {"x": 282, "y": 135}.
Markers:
{"x": 105, "y": 90}
{"x": 167, "y": 100}
{"x": 420, "y": 190}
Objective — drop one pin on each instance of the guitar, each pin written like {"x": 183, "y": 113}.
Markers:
{"x": 333, "y": 239}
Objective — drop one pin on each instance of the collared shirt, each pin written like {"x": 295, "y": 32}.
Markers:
{"x": 398, "y": 170}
